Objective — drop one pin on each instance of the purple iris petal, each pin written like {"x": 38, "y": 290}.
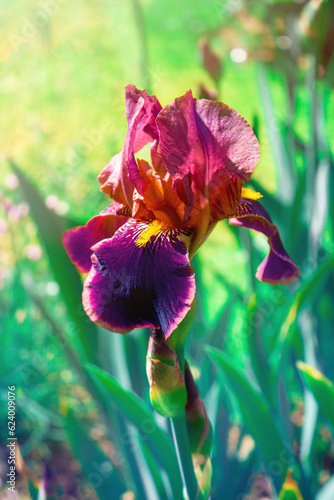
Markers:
{"x": 277, "y": 267}
{"x": 79, "y": 240}
{"x": 131, "y": 286}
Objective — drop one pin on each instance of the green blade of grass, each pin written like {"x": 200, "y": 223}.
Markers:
{"x": 50, "y": 229}
{"x": 96, "y": 466}
{"x": 297, "y": 235}
{"x": 118, "y": 364}
{"x": 259, "y": 360}
{"x": 155, "y": 470}
{"x": 33, "y": 490}
{"x": 278, "y": 139}
{"x": 141, "y": 416}
{"x": 309, "y": 290}
{"x": 321, "y": 388}
{"x": 256, "y": 415}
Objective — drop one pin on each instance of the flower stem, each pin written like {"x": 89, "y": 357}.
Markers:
{"x": 182, "y": 448}
{"x": 140, "y": 22}
{"x": 181, "y": 443}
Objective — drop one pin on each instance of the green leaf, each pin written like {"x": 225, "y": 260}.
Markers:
{"x": 297, "y": 234}
{"x": 308, "y": 292}
{"x": 141, "y": 416}
{"x": 307, "y": 328}
{"x": 50, "y": 229}
{"x": 278, "y": 140}
{"x": 259, "y": 360}
{"x": 96, "y": 466}
{"x": 321, "y": 388}
{"x": 33, "y": 490}
{"x": 255, "y": 413}
{"x": 290, "y": 489}
{"x": 320, "y": 204}
{"x": 154, "y": 469}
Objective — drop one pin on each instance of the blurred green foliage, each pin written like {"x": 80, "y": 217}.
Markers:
{"x": 64, "y": 65}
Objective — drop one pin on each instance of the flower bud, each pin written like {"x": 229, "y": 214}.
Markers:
{"x": 167, "y": 385}
{"x": 290, "y": 489}
{"x": 198, "y": 425}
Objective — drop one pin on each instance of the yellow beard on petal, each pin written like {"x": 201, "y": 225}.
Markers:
{"x": 155, "y": 227}
{"x": 250, "y": 194}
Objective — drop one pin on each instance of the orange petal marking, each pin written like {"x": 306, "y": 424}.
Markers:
{"x": 162, "y": 199}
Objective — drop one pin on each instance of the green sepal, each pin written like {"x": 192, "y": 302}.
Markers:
{"x": 199, "y": 428}
{"x": 198, "y": 425}
{"x": 167, "y": 388}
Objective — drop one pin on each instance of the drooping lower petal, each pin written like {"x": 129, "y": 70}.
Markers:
{"x": 79, "y": 240}
{"x": 140, "y": 277}
{"x": 277, "y": 267}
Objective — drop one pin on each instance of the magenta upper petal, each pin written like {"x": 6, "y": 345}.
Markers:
{"x": 146, "y": 107}
{"x": 79, "y": 240}
{"x": 210, "y": 151}
{"x": 141, "y": 112}
{"x": 114, "y": 181}
{"x": 131, "y": 286}
{"x": 277, "y": 267}
{"x": 180, "y": 145}
{"x": 119, "y": 177}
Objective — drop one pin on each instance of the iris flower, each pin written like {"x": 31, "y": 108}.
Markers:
{"x": 137, "y": 251}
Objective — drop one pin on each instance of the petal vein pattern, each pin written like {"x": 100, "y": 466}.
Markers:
{"x": 79, "y": 240}
{"x": 131, "y": 286}
{"x": 209, "y": 150}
